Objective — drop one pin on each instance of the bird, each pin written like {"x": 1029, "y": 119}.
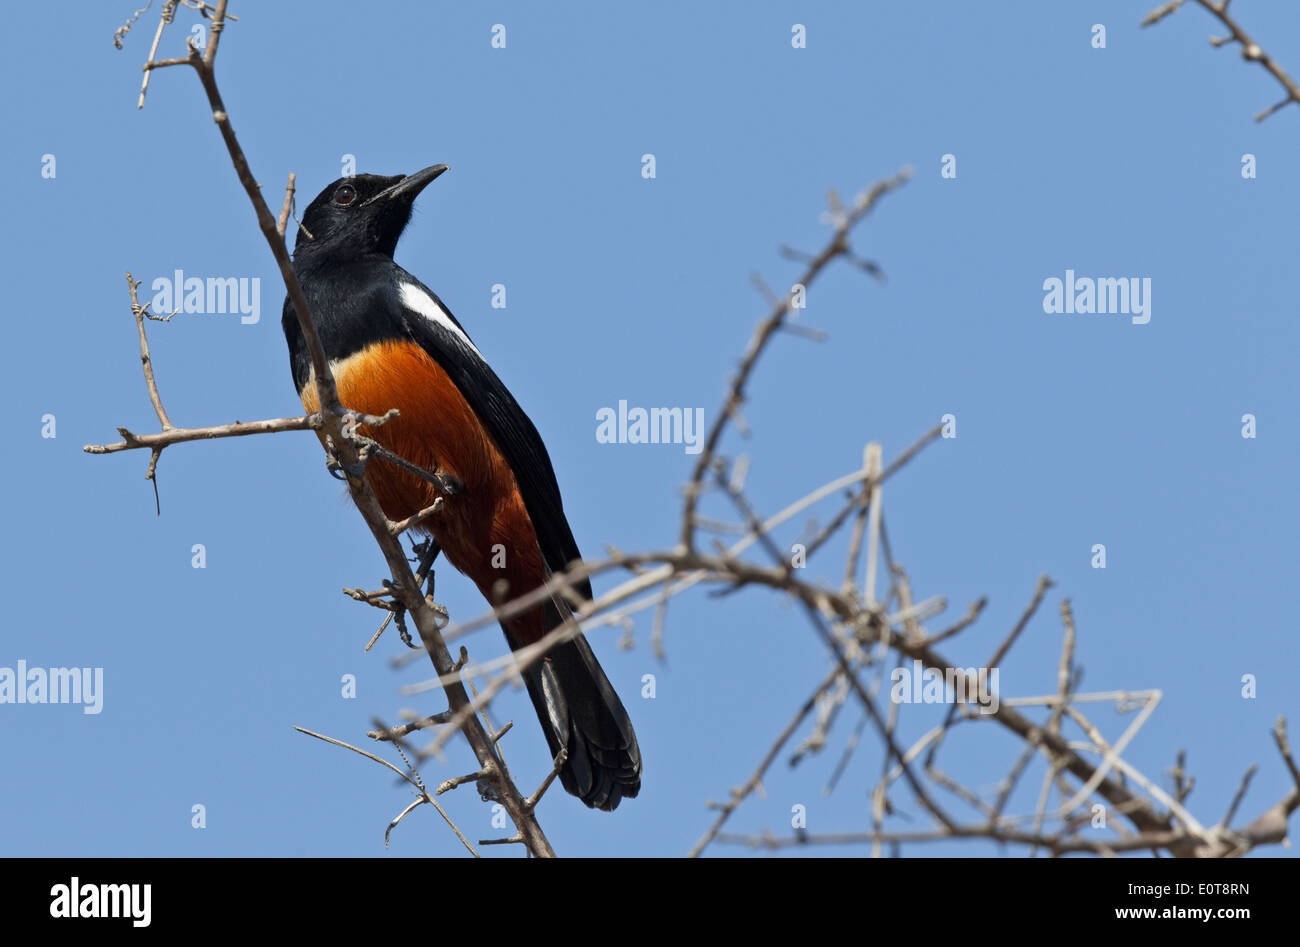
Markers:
{"x": 392, "y": 343}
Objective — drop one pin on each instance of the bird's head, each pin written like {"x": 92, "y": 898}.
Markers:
{"x": 360, "y": 214}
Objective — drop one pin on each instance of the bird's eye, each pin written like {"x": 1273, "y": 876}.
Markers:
{"x": 345, "y": 195}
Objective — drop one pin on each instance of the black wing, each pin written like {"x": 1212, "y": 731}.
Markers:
{"x": 509, "y": 426}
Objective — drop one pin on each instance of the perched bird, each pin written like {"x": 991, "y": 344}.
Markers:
{"x": 393, "y": 344}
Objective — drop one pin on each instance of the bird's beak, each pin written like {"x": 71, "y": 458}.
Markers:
{"x": 409, "y": 186}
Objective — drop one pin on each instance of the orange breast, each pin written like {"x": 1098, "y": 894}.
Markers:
{"x": 484, "y": 530}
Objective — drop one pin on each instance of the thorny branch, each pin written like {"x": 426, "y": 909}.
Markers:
{"x": 337, "y": 424}
{"x": 1080, "y": 771}
{"x": 1251, "y": 51}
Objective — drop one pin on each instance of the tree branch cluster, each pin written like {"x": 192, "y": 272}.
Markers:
{"x": 865, "y": 635}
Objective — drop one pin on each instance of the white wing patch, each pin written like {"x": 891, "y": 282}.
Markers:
{"x": 417, "y": 300}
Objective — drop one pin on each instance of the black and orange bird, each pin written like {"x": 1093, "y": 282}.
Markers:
{"x": 393, "y": 344}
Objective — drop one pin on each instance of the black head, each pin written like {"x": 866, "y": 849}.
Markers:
{"x": 364, "y": 213}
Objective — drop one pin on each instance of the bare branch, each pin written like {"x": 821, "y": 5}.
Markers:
{"x": 1251, "y": 51}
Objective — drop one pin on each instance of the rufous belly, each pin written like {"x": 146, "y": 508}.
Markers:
{"x": 484, "y": 530}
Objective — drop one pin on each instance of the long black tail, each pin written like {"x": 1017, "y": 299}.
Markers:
{"x": 580, "y": 712}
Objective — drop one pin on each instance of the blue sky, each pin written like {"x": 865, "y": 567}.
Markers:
{"x": 1072, "y": 429}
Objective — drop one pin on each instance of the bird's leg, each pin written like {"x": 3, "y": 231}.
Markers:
{"x": 425, "y": 568}
{"x": 332, "y": 463}
{"x": 448, "y": 482}
{"x": 336, "y": 468}
{"x": 428, "y": 551}
{"x": 444, "y": 480}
